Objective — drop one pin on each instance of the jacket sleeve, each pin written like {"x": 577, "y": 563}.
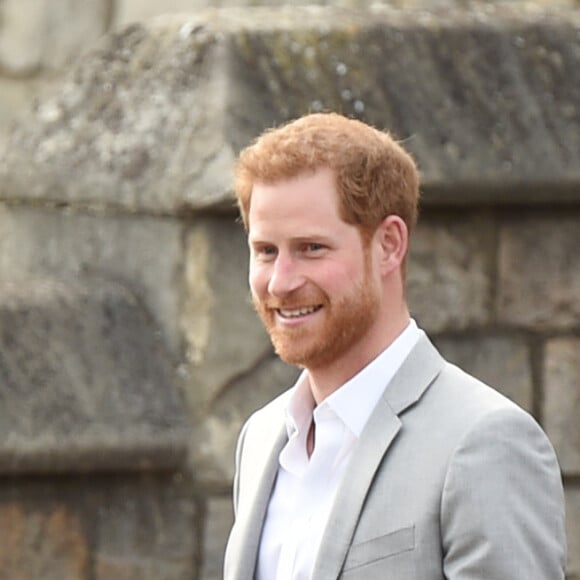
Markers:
{"x": 502, "y": 511}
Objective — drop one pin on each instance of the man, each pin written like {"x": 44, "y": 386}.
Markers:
{"x": 383, "y": 461}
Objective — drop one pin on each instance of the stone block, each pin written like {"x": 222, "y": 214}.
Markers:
{"x": 224, "y": 335}
{"x": 151, "y": 120}
{"x": 231, "y": 367}
{"x": 503, "y": 362}
{"x": 142, "y": 253}
{"x": 131, "y": 11}
{"x": 16, "y": 96}
{"x": 449, "y": 272}
{"x": 488, "y": 118}
{"x": 561, "y": 413}
{"x": 38, "y": 33}
{"x": 139, "y": 124}
{"x": 20, "y": 45}
{"x": 99, "y": 527}
{"x": 146, "y": 532}
{"x": 128, "y": 11}
{"x": 85, "y": 382}
{"x": 539, "y": 271}
{"x": 219, "y": 520}
{"x": 215, "y": 437}
{"x": 48, "y": 543}
{"x": 573, "y": 531}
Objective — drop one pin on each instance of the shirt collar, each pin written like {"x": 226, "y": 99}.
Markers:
{"x": 354, "y": 401}
{"x": 300, "y": 406}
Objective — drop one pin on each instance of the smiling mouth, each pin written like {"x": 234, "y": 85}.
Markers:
{"x": 297, "y": 312}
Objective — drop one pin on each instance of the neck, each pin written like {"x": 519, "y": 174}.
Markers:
{"x": 327, "y": 379}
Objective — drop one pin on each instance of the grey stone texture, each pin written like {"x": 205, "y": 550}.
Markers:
{"x": 14, "y": 95}
{"x": 562, "y": 400}
{"x": 448, "y": 281}
{"x": 504, "y": 362}
{"x": 539, "y": 270}
{"x": 37, "y": 34}
{"x": 85, "y": 383}
{"x": 219, "y": 520}
{"x": 218, "y": 309}
{"x": 152, "y": 118}
{"x": 139, "y": 124}
{"x": 148, "y": 533}
{"x": 121, "y": 176}
{"x": 98, "y": 527}
{"x": 128, "y": 11}
{"x": 490, "y": 78}
{"x": 143, "y": 253}
{"x": 215, "y": 436}
{"x": 231, "y": 368}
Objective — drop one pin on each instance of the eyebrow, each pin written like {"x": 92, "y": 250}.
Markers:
{"x": 295, "y": 239}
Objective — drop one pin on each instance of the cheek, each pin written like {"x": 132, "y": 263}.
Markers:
{"x": 338, "y": 278}
{"x": 258, "y": 280}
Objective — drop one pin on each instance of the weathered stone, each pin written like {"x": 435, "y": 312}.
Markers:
{"x": 99, "y": 527}
{"x": 45, "y": 543}
{"x": 449, "y": 285}
{"x": 573, "y": 531}
{"x": 153, "y": 118}
{"x": 12, "y": 96}
{"x": 131, "y": 11}
{"x": 150, "y": 122}
{"x": 485, "y": 118}
{"x": 225, "y": 338}
{"x": 146, "y": 533}
{"x": 143, "y": 253}
{"x": 15, "y": 97}
{"x": 215, "y": 437}
{"x": 128, "y": 11}
{"x": 500, "y": 361}
{"x": 219, "y": 520}
{"x": 232, "y": 369}
{"x": 561, "y": 414}
{"x": 85, "y": 383}
{"x": 229, "y": 352}
{"x": 39, "y": 33}
{"x": 539, "y": 271}
{"x": 22, "y": 27}
{"x": 139, "y": 124}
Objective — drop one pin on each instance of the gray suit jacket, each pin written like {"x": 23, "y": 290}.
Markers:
{"x": 449, "y": 480}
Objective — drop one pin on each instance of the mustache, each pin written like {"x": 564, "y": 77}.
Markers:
{"x": 301, "y": 300}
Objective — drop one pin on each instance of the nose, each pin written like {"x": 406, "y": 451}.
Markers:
{"x": 286, "y": 277}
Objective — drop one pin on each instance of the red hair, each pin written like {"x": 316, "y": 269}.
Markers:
{"x": 375, "y": 176}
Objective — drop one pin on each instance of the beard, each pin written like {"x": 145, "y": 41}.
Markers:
{"x": 321, "y": 342}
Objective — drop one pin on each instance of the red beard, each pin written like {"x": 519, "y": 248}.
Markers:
{"x": 338, "y": 326}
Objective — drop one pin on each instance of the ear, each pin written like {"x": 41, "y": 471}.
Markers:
{"x": 392, "y": 240}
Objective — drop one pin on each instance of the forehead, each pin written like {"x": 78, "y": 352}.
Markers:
{"x": 308, "y": 197}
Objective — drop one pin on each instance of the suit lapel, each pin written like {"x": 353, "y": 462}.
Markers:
{"x": 407, "y": 386}
{"x": 249, "y": 523}
{"x": 351, "y": 495}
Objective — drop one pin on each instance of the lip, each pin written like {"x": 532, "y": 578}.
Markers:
{"x": 295, "y": 316}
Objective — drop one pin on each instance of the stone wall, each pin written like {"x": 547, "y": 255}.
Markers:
{"x": 115, "y": 188}
{"x": 40, "y": 39}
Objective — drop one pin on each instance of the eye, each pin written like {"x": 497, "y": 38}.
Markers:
{"x": 313, "y": 248}
{"x": 265, "y": 251}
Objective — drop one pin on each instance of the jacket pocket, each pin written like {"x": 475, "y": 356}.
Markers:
{"x": 380, "y": 548}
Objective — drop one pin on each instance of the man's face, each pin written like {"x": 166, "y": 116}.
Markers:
{"x": 311, "y": 276}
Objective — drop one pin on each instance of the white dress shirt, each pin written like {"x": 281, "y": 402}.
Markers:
{"x": 305, "y": 487}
